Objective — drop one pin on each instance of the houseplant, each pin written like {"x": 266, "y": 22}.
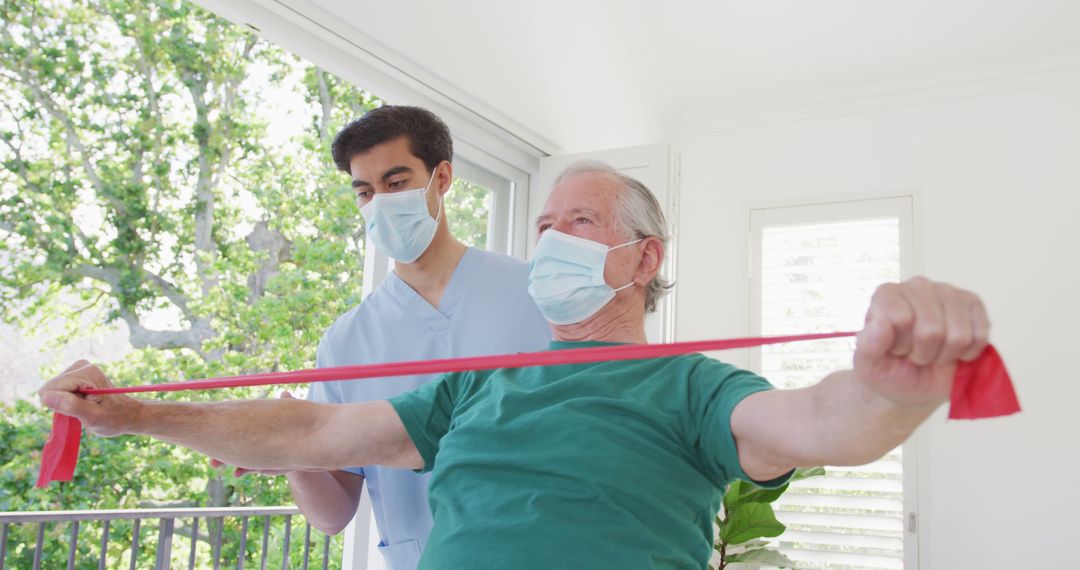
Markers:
{"x": 747, "y": 518}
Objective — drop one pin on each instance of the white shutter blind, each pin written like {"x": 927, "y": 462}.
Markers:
{"x": 818, "y": 277}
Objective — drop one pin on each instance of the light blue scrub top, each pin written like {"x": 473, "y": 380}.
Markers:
{"x": 486, "y": 309}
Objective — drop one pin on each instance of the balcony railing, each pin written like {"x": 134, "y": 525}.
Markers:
{"x": 166, "y": 529}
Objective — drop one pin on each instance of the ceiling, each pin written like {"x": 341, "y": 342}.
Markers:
{"x": 590, "y": 74}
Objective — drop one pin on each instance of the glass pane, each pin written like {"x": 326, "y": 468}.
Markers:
{"x": 468, "y": 211}
{"x": 819, "y": 278}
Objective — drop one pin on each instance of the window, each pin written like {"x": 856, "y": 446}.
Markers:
{"x": 814, "y": 269}
{"x": 478, "y": 206}
{"x": 468, "y": 211}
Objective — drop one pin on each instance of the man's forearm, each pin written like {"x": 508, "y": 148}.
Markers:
{"x": 839, "y": 421}
{"x": 283, "y": 434}
{"x": 328, "y": 499}
{"x": 852, "y": 424}
{"x": 258, "y": 434}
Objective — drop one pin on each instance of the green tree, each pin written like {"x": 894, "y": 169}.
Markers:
{"x": 137, "y": 176}
{"x": 468, "y": 208}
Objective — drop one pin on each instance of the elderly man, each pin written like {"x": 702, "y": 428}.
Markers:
{"x": 614, "y": 464}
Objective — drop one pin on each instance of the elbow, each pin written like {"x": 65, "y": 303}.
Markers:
{"x": 330, "y": 525}
{"x": 330, "y": 528}
{"x": 759, "y": 470}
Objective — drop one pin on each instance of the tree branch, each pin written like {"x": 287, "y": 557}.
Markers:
{"x": 139, "y": 335}
{"x": 327, "y": 105}
{"x": 106, "y": 275}
{"x": 111, "y": 277}
{"x": 190, "y": 338}
{"x": 171, "y": 292}
{"x": 278, "y": 248}
{"x": 147, "y": 73}
{"x": 72, "y": 139}
{"x": 93, "y": 303}
{"x": 204, "y": 191}
{"x": 231, "y": 89}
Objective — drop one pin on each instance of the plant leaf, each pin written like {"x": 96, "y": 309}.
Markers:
{"x": 733, "y": 495}
{"x": 806, "y": 473}
{"x": 751, "y": 545}
{"x": 761, "y": 556}
{"x": 750, "y": 521}
{"x": 763, "y": 495}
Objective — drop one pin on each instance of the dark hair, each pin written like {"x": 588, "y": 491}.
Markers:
{"x": 429, "y": 139}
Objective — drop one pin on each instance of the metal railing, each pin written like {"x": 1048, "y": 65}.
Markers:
{"x": 166, "y": 530}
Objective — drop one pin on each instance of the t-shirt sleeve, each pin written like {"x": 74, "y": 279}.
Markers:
{"x": 715, "y": 389}
{"x": 426, "y": 413}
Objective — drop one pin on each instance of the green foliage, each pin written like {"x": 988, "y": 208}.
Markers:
{"x": 747, "y": 517}
{"x": 468, "y": 208}
{"x": 761, "y": 556}
{"x": 749, "y": 521}
{"x": 137, "y": 166}
{"x": 138, "y": 180}
{"x": 129, "y": 473}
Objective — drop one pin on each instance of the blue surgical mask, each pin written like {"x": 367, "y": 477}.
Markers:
{"x": 399, "y": 224}
{"x": 566, "y": 278}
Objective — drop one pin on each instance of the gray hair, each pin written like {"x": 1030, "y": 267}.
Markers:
{"x": 639, "y": 214}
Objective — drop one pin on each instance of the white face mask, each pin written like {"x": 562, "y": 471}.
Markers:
{"x": 399, "y": 224}
{"x": 566, "y": 277}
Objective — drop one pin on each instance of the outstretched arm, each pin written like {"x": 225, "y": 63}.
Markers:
{"x": 905, "y": 358}
{"x": 328, "y": 499}
{"x": 256, "y": 434}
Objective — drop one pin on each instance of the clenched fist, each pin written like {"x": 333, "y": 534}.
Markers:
{"x": 915, "y": 334}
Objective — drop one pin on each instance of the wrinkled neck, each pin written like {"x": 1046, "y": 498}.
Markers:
{"x": 621, "y": 320}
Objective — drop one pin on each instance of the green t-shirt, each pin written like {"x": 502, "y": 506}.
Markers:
{"x": 609, "y": 465}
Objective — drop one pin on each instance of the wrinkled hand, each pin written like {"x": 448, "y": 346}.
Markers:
{"x": 241, "y": 471}
{"x": 915, "y": 334}
{"x": 106, "y": 415}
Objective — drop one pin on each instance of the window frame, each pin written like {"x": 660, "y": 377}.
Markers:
{"x": 508, "y": 224}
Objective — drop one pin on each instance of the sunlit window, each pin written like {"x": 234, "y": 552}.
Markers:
{"x": 818, "y": 277}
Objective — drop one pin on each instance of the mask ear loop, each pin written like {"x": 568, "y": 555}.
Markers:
{"x": 630, "y": 284}
{"x": 610, "y": 249}
{"x": 438, "y": 213}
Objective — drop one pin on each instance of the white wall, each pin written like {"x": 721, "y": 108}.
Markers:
{"x": 997, "y": 185}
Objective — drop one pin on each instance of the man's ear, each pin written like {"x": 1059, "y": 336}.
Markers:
{"x": 652, "y": 260}
{"x": 444, "y": 177}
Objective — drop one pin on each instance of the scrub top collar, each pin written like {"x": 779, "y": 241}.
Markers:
{"x": 437, "y": 319}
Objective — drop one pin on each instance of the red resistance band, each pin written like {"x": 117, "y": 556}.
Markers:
{"x": 981, "y": 389}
